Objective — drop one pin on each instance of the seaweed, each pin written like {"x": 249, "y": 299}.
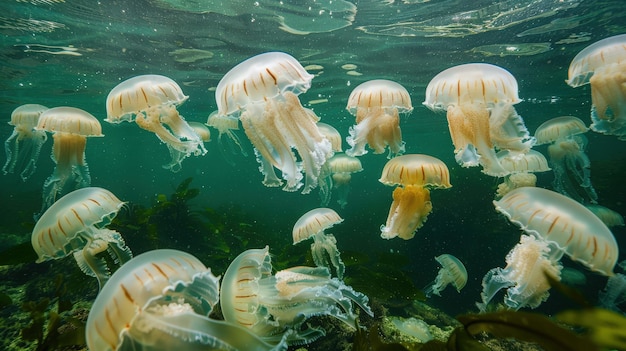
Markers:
{"x": 604, "y": 327}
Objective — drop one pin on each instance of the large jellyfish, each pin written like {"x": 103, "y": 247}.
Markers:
{"x": 76, "y": 224}
{"x": 23, "y": 146}
{"x": 570, "y": 163}
{"x": 413, "y": 174}
{"x": 452, "y": 272}
{"x": 151, "y": 101}
{"x": 478, "y": 99}
{"x": 277, "y": 306}
{"x": 227, "y": 138}
{"x": 262, "y": 92}
{"x": 70, "y": 127}
{"x": 324, "y": 247}
{"x": 377, "y": 105}
{"x": 603, "y": 65}
{"x": 561, "y": 221}
{"x": 160, "y": 300}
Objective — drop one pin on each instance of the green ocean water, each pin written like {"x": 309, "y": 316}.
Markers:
{"x": 73, "y": 52}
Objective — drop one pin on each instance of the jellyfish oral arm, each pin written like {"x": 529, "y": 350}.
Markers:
{"x": 409, "y": 210}
{"x": 608, "y": 95}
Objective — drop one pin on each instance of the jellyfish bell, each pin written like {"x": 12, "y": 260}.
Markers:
{"x": 201, "y": 129}
{"x": 377, "y": 104}
{"x": 559, "y": 128}
{"x": 413, "y": 174}
{"x": 24, "y": 144}
{"x": 341, "y": 167}
{"x": 452, "y": 271}
{"x": 603, "y": 66}
{"x": 262, "y": 92}
{"x": 151, "y": 101}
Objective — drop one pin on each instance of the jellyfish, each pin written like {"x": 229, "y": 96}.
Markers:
{"x": 160, "y": 300}
{"x": 278, "y": 305}
{"x": 70, "y": 127}
{"x": 524, "y": 276}
{"x": 614, "y": 293}
{"x": 603, "y": 66}
{"x": 341, "y": 167}
{"x": 414, "y": 174}
{"x": 324, "y": 247}
{"x": 521, "y": 169}
{"x": 76, "y": 224}
{"x": 262, "y": 92}
{"x": 151, "y": 101}
{"x": 332, "y": 134}
{"x": 377, "y": 105}
{"x": 558, "y": 219}
{"x": 478, "y": 99}
{"x": 23, "y": 146}
{"x": 570, "y": 163}
{"x": 226, "y": 126}
{"x": 201, "y": 130}
{"x": 325, "y": 181}
{"x": 452, "y": 272}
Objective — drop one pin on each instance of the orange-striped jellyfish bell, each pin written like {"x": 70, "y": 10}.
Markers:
{"x": 478, "y": 99}
{"x": 277, "y": 306}
{"x": 521, "y": 168}
{"x": 603, "y": 66}
{"x": 151, "y": 101}
{"x": 24, "y": 144}
{"x": 377, "y": 105}
{"x": 160, "y": 300}
{"x": 452, "y": 272}
{"x": 70, "y": 128}
{"x": 312, "y": 225}
{"x": 413, "y": 174}
{"x": 76, "y": 225}
{"x": 262, "y": 92}
{"x": 558, "y": 219}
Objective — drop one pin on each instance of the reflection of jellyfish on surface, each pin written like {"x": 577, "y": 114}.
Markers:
{"x": 262, "y": 92}
{"x": 276, "y": 306}
{"x": 377, "y": 105}
{"x": 603, "y": 66}
{"x": 160, "y": 300}
{"x": 324, "y": 247}
{"x": 325, "y": 180}
{"x": 413, "y": 174}
{"x": 341, "y": 167}
{"x": 76, "y": 224}
{"x": 150, "y": 101}
{"x": 521, "y": 168}
{"x": 227, "y": 140}
{"x": 23, "y": 146}
{"x": 478, "y": 99}
{"x": 452, "y": 272}
{"x": 70, "y": 127}
{"x": 569, "y": 162}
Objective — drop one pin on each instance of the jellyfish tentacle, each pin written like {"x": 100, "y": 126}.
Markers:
{"x": 92, "y": 265}
{"x": 11, "y": 147}
{"x": 324, "y": 249}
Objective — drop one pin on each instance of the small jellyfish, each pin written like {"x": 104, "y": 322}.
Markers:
{"x": 452, "y": 272}
{"x": 341, "y": 167}
{"x": 478, "y": 99}
{"x": 262, "y": 92}
{"x": 603, "y": 66}
{"x": 76, "y": 224}
{"x": 325, "y": 181}
{"x": 201, "y": 129}
{"x": 160, "y": 300}
{"x": 558, "y": 219}
{"x": 151, "y": 101}
{"x": 521, "y": 169}
{"x": 23, "y": 146}
{"x": 230, "y": 144}
{"x": 324, "y": 247}
{"x": 413, "y": 174}
{"x": 377, "y": 105}
{"x": 524, "y": 276}
{"x": 70, "y": 128}
{"x": 569, "y": 162}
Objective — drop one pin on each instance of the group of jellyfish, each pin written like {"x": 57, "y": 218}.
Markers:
{"x": 165, "y": 297}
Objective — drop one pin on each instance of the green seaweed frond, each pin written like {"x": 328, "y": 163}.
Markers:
{"x": 606, "y": 328}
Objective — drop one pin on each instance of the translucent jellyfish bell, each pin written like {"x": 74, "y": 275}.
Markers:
{"x": 312, "y": 225}
{"x": 413, "y": 174}
{"x": 70, "y": 128}
{"x": 151, "y": 101}
{"x": 521, "y": 168}
{"x": 76, "y": 224}
{"x": 24, "y": 144}
{"x": 452, "y": 272}
{"x": 262, "y": 92}
{"x": 341, "y": 168}
{"x": 558, "y": 219}
{"x": 603, "y": 65}
{"x": 377, "y": 105}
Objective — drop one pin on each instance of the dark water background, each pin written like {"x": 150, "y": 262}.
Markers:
{"x": 401, "y": 41}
